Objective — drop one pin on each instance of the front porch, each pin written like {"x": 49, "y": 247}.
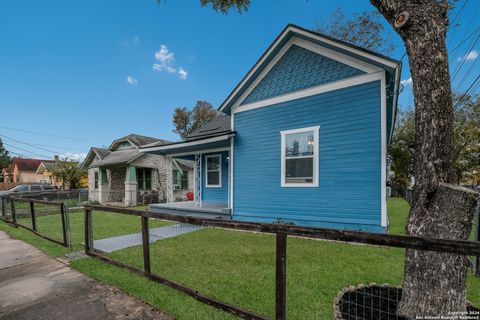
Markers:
{"x": 211, "y": 195}
{"x": 211, "y": 210}
{"x": 125, "y": 186}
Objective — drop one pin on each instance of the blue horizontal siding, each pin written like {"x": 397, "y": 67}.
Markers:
{"x": 349, "y": 192}
{"x": 219, "y": 195}
{"x": 299, "y": 69}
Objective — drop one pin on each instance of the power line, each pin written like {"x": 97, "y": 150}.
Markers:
{"x": 460, "y": 11}
{"x": 34, "y": 146}
{"x": 464, "y": 58}
{"x": 28, "y": 151}
{"x": 46, "y": 134}
{"x": 456, "y": 16}
{"x": 466, "y": 92}
{"x": 466, "y": 73}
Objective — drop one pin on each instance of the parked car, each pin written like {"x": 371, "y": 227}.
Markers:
{"x": 30, "y": 188}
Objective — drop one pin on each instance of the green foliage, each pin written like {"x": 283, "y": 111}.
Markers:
{"x": 364, "y": 29}
{"x": 69, "y": 172}
{"x": 466, "y": 143}
{"x": 225, "y": 5}
{"x": 402, "y": 150}
{"x": 4, "y": 157}
{"x": 187, "y": 121}
{"x": 467, "y": 139}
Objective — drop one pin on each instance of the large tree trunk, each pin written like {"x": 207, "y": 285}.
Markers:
{"x": 434, "y": 283}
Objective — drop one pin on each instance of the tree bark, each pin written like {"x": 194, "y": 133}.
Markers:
{"x": 434, "y": 283}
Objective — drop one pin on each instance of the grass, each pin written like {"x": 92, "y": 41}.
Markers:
{"x": 238, "y": 267}
{"x": 106, "y": 224}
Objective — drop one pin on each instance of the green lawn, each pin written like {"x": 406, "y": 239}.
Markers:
{"x": 238, "y": 267}
{"x": 106, "y": 225}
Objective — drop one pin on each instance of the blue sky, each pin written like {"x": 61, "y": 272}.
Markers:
{"x": 77, "y": 74}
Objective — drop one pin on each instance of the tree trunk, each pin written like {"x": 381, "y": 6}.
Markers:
{"x": 434, "y": 283}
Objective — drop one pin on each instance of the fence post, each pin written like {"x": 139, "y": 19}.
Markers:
{"x": 14, "y": 214}
{"x": 64, "y": 225}
{"x": 32, "y": 213}
{"x": 4, "y": 213}
{"x": 146, "y": 245}
{"x": 67, "y": 222}
{"x": 476, "y": 260}
{"x": 88, "y": 230}
{"x": 281, "y": 278}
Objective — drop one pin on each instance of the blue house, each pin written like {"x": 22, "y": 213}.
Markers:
{"x": 302, "y": 138}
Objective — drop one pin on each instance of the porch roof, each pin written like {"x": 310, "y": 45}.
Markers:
{"x": 115, "y": 158}
{"x": 220, "y": 140}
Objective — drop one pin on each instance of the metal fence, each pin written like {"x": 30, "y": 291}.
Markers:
{"x": 23, "y": 212}
{"x": 73, "y": 198}
{"x": 407, "y": 194}
{"x": 144, "y": 258}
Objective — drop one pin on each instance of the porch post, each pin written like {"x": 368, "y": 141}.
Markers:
{"x": 131, "y": 186}
{"x": 198, "y": 180}
{"x": 168, "y": 167}
{"x": 103, "y": 186}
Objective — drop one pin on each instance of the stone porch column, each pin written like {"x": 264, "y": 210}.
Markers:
{"x": 103, "y": 186}
{"x": 131, "y": 186}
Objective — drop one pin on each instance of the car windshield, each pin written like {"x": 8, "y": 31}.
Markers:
{"x": 19, "y": 189}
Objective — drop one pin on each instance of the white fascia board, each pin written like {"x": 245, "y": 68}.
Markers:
{"x": 341, "y": 84}
{"x": 207, "y": 151}
{"x": 361, "y": 53}
{"x": 254, "y": 69}
{"x": 187, "y": 144}
{"x": 331, "y": 54}
{"x": 383, "y": 155}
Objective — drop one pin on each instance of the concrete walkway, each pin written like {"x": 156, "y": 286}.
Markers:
{"x": 135, "y": 239}
{"x": 36, "y": 286}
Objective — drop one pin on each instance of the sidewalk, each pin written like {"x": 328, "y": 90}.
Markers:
{"x": 36, "y": 286}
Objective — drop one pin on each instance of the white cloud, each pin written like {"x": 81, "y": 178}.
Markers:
{"x": 75, "y": 156}
{"x": 163, "y": 67}
{"x": 132, "y": 81}
{"x": 164, "y": 56}
{"x": 165, "y": 59}
{"x": 136, "y": 39}
{"x": 182, "y": 74}
{"x": 406, "y": 82}
{"x": 472, "y": 55}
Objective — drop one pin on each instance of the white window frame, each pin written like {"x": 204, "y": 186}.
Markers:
{"x": 219, "y": 185}
{"x": 316, "y": 145}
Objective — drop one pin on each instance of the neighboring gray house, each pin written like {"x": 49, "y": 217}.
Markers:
{"x": 121, "y": 175}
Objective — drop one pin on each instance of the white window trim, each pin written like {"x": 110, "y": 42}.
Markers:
{"x": 207, "y": 185}
{"x": 316, "y": 146}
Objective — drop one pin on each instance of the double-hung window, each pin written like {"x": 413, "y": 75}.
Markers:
{"x": 144, "y": 178}
{"x": 213, "y": 170}
{"x": 299, "y": 167}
